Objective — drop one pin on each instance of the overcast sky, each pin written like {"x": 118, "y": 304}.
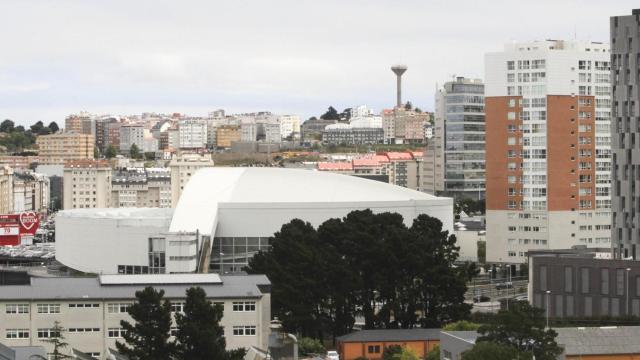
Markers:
{"x": 294, "y": 56}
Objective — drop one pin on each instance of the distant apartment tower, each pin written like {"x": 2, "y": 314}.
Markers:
{"x": 226, "y": 134}
{"x": 182, "y": 167}
{"x": 6, "y": 190}
{"x": 459, "y": 139}
{"x": 625, "y": 74}
{"x": 102, "y": 132}
{"x": 289, "y": 126}
{"x": 56, "y": 149}
{"x": 193, "y": 134}
{"x": 79, "y": 123}
{"x": 129, "y": 135}
{"x": 141, "y": 187}
{"x": 30, "y": 192}
{"x": 548, "y": 153}
{"x": 87, "y": 184}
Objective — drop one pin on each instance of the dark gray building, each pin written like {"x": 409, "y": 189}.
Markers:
{"x": 583, "y": 282}
{"x": 625, "y": 133}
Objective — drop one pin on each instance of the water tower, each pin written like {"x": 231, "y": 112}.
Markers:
{"x": 399, "y": 70}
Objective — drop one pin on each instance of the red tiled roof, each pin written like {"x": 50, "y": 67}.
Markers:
{"x": 366, "y": 162}
{"x": 329, "y": 166}
{"x": 399, "y": 156}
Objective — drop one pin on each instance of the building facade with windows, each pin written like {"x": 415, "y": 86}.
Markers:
{"x": 90, "y": 309}
{"x": 183, "y": 166}
{"x": 131, "y": 134}
{"x": 459, "y": 140}
{"x": 87, "y": 184}
{"x": 193, "y": 134}
{"x": 548, "y": 152}
{"x": 141, "y": 187}
{"x": 625, "y": 128}
{"x": 6, "y": 190}
{"x": 57, "y": 148}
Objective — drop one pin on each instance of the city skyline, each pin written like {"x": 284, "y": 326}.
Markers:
{"x": 287, "y": 57}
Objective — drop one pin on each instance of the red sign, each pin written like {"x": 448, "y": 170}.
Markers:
{"x": 16, "y": 226}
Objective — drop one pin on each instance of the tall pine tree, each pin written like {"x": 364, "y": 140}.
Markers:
{"x": 148, "y": 338}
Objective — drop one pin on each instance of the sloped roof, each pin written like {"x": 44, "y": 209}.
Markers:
{"x": 600, "y": 340}
{"x": 391, "y": 335}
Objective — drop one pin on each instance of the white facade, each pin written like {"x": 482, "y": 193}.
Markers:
{"x": 535, "y": 70}
{"x": 131, "y": 134}
{"x": 91, "y": 308}
{"x": 182, "y": 167}
{"x": 87, "y": 185}
{"x": 289, "y": 125}
{"x": 193, "y": 134}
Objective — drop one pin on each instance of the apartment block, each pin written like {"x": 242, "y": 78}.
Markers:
{"x": 87, "y": 184}
{"x": 130, "y": 135}
{"x": 403, "y": 126}
{"x": 226, "y": 134}
{"x": 183, "y": 166}
{"x": 289, "y": 126}
{"x": 30, "y": 192}
{"x": 56, "y": 149}
{"x": 141, "y": 187}
{"x": 193, "y": 134}
{"x": 79, "y": 123}
{"x": 548, "y": 153}
{"x": 91, "y": 308}
{"x": 459, "y": 140}
{"x": 6, "y": 190}
{"x": 625, "y": 74}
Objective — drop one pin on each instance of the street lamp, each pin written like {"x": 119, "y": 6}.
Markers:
{"x": 548, "y": 292}
{"x": 627, "y": 270}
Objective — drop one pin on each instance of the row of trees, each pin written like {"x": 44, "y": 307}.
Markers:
{"x": 17, "y": 138}
{"x": 365, "y": 264}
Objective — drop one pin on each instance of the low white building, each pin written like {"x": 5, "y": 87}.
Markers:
{"x": 91, "y": 308}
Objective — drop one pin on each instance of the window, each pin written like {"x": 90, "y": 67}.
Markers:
{"x": 244, "y": 306}
{"x": 83, "y": 305}
{"x": 117, "y": 308}
{"x": 17, "y": 334}
{"x": 620, "y": 282}
{"x": 177, "y": 307}
{"x": 511, "y": 65}
{"x": 511, "y": 115}
{"x": 48, "y": 308}
{"x": 568, "y": 279}
{"x": 604, "y": 281}
{"x": 17, "y": 308}
{"x": 511, "y": 141}
{"x": 244, "y": 330}
{"x": 512, "y": 102}
{"x": 47, "y": 333}
{"x": 83, "y": 330}
{"x": 115, "y": 333}
{"x": 373, "y": 349}
{"x": 543, "y": 277}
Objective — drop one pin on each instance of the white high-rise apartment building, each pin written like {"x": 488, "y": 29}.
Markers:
{"x": 548, "y": 153}
{"x": 87, "y": 184}
{"x": 193, "y": 134}
{"x": 289, "y": 125}
{"x": 6, "y": 190}
{"x": 131, "y": 134}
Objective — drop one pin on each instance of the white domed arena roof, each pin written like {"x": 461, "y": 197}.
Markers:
{"x": 212, "y": 188}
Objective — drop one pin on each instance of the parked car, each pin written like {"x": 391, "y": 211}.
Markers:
{"x": 504, "y": 285}
{"x": 333, "y": 355}
{"x": 522, "y": 298}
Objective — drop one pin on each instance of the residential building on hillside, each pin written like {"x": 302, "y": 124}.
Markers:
{"x": 289, "y": 126}
{"x": 248, "y": 132}
{"x": 6, "y": 190}
{"x": 79, "y": 123}
{"x": 102, "y": 133}
{"x": 87, "y": 184}
{"x": 226, "y": 134}
{"x": 459, "y": 139}
{"x": 56, "y": 149}
{"x": 193, "y": 134}
{"x": 548, "y": 153}
{"x": 183, "y": 166}
{"x": 403, "y": 126}
{"x": 141, "y": 187}
{"x": 91, "y": 308}
{"x": 114, "y": 135}
{"x": 311, "y": 130}
{"x": 338, "y": 134}
{"x": 625, "y": 128}
{"x": 131, "y": 134}
{"x": 30, "y": 192}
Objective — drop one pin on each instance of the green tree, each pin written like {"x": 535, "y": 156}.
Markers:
{"x": 494, "y": 351}
{"x": 134, "y": 152}
{"x": 7, "y": 126}
{"x": 58, "y": 341}
{"x": 418, "y": 110}
{"x": 200, "y": 335}
{"x": 148, "y": 337}
{"x": 111, "y": 152}
{"x": 482, "y": 251}
{"x": 523, "y": 328}
{"x": 150, "y": 156}
{"x": 390, "y": 352}
{"x": 53, "y": 126}
{"x": 331, "y": 114}
{"x": 310, "y": 346}
{"x": 35, "y": 128}
{"x": 462, "y": 325}
{"x": 434, "y": 354}
{"x": 96, "y": 152}
{"x": 406, "y": 354}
